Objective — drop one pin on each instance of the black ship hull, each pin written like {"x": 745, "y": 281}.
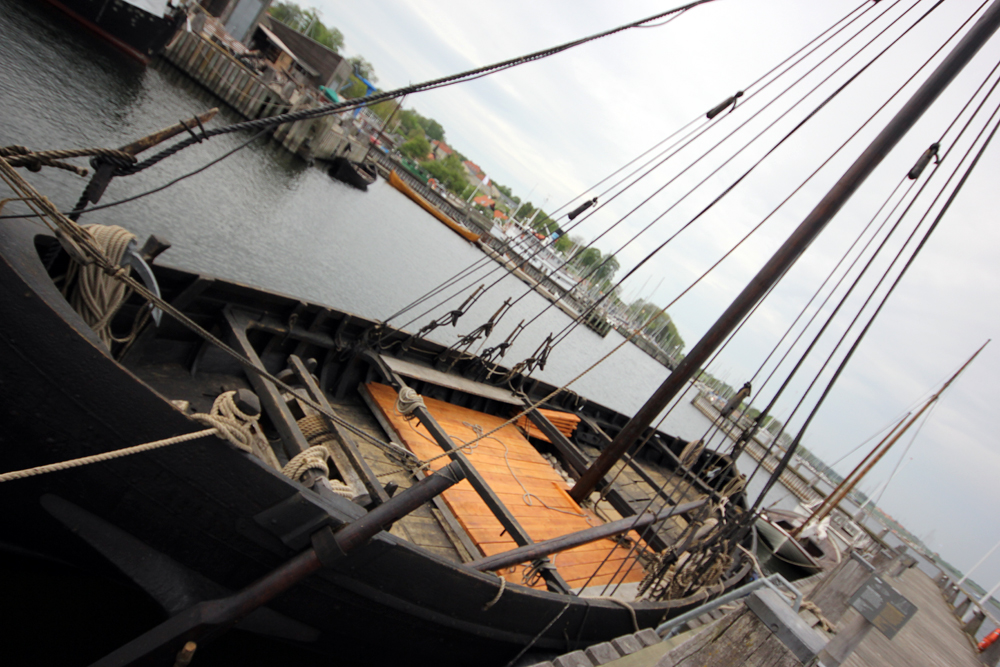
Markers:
{"x": 197, "y": 520}
{"x": 132, "y": 30}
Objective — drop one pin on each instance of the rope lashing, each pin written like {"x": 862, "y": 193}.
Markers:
{"x": 924, "y": 160}
{"x": 221, "y": 425}
{"x": 20, "y": 156}
{"x": 319, "y": 435}
{"x": 313, "y": 458}
{"x": 723, "y": 105}
{"x": 230, "y": 422}
{"x": 408, "y": 401}
{"x": 496, "y": 598}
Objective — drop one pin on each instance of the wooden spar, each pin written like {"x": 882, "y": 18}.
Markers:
{"x": 853, "y": 478}
{"x": 794, "y": 246}
{"x": 168, "y": 132}
{"x": 834, "y": 498}
{"x": 205, "y": 620}
{"x": 105, "y": 171}
{"x": 532, "y": 552}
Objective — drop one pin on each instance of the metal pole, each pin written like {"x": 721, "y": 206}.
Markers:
{"x": 980, "y": 562}
{"x": 794, "y": 246}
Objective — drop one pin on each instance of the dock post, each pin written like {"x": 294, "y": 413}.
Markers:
{"x": 904, "y": 563}
{"x": 962, "y": 609}
{"x": 950, "y": 593}
{"x": 974, "y": 623}
{"x": 833, "y": 593}
{"x": 848, "y": 638}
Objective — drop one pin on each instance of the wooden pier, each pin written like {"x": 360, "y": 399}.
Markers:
{"x": 250, "y": 95}
{"x": 933, "y": 637}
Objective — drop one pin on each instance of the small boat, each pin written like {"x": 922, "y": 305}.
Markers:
{"x": 459, "y": 229}
{"x": 357, "y": 174}
{"x": 139, "y": 29}
{"x": 813, "y": 550}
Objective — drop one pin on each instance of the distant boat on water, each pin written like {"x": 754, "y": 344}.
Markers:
{"x": 140, "y": 28}
{"x": 400, "y": 185}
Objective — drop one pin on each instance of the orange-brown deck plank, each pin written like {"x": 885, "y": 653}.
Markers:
{"x": 496, "y": 458}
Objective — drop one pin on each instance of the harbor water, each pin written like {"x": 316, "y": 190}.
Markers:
{"x": 265, "y": 218}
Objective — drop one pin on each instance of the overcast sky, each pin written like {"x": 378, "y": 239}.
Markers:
{"x": 553, "y": 128}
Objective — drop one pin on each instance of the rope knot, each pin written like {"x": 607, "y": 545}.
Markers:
{"x": 408, "y": 401}
{"x": 231, "y": 423}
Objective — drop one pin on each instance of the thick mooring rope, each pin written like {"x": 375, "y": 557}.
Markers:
{"x": 222, "y": 424}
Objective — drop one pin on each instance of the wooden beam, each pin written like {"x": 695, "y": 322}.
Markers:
{"x": 272, "y": 401}
{"x": 576, "y": 459}
{"x": 347, "y": 457}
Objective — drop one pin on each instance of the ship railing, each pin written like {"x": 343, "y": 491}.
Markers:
{"x": 671, "y": 627}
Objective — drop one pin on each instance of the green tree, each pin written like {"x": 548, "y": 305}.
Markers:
{"x": 363, "y": 67}
{"x": 605, "y": 271}
{"x": 434, "y": 129}
{"x": 416, "y": 148}
{"x": 328, "y": 36}
{"x": 288, "y": 13}
{"x": 589, "y": 257}
{"x": 449, "y": 172}
{"x": 525, "y": 211}
{"x": 307, "y": 21}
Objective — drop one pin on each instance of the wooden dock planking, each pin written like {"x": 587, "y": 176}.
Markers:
{"x": 932, "y": 637}
{"x": 495, "y": 457}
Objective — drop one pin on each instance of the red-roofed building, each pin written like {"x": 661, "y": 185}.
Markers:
{"x": 441, "y": 149}
{"x": 499, "y": 215}
{"x": 474, "y": 170}
{"x": 483, "y": 200}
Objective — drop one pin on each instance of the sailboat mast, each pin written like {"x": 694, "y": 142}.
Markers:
{"x": 834, "y": 499}
{"x": 793, "y": 247}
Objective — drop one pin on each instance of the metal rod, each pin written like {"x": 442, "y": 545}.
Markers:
{"x": 557, "y": 544}
{"x": 794, "y": 246}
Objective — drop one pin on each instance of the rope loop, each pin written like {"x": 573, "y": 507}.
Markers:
{"x": 231, "y": 423}
{"x": 313, "y": 458}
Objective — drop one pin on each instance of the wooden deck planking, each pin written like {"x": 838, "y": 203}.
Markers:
{"x": 496, "y": 457}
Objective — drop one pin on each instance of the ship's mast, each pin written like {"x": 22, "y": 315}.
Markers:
{"x": 793, "y": 247}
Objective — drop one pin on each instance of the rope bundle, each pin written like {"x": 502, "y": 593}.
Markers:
{"x": 408, "y": 401}
{"x": 95, "y": 294}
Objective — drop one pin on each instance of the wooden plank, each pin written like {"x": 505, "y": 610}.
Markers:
{"x": 434, "y": 376}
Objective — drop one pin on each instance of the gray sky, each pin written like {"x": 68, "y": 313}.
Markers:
{"x": 555, "y": 127}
